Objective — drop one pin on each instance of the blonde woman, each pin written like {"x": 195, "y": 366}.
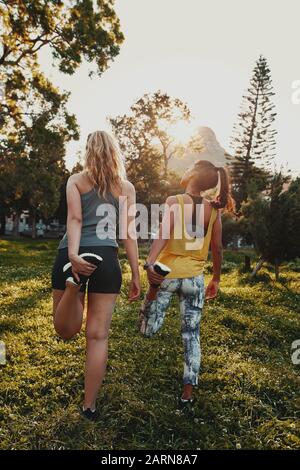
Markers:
{"x": 87, "y": 259}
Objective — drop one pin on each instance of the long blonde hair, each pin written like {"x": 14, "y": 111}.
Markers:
{"x": 103, "y": 162}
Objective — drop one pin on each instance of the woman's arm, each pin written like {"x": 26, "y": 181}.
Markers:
{"x": 130, "y": 239}
{"x": 74, "y": 223}
{"x": 217, "y": 257}
{"x": 159, "y": 243}
{"x": 74, "y": 218}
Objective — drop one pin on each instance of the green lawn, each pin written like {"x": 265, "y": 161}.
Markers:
{"x": 249, "y": 390}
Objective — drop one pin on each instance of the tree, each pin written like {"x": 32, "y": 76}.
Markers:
{"x": 230, "y": 229}
{"x": 11, "y": 183}
{"x": 62, "y": 209}
{"x": 292, "y": 214}
{"x": 43, "y": 167}
{"x": 148, "y": 124}
{"x": 143, "y": 162}
{"x": 162, "y": 111}
{"x": 273, "y": 220}
{"x": 253, "y": 139}
{"x": 32, "y": 157}
{"x": 73, "y": 31}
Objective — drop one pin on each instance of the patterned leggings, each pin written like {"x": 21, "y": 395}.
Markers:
{"x": 191, "y": 298}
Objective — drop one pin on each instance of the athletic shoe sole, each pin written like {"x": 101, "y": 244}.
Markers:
{"x": 85, "y": 255}
{"x": 161, "y": 268}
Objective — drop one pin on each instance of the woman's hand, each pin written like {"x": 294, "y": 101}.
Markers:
{"x": 134, "y": 289}
{"x": 80, "y": 266}
{"x": 212, "y": 290}
{"x": 153, "y": 276}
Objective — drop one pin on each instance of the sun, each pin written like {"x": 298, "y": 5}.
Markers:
{"x": 182, "y": 131}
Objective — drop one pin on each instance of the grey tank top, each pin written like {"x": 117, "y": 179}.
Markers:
{"x": 99, "y": 220}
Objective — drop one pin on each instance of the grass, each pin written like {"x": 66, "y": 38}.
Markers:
{"x": 248, "y": 393}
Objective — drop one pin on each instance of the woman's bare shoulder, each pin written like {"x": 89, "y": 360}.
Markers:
{"x": 171, "y": 200}
{"x": 82, "y": 181}
{"x": 127, "y": 188}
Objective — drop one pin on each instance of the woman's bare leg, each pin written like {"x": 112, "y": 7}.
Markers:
{"x": 68, "y": 308}
{"x": 100, "y": 308}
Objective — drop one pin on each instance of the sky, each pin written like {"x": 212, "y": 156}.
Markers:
{"x": 202, "y": 52}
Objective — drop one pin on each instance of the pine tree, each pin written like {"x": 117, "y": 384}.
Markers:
{"x": 253, "y": 139}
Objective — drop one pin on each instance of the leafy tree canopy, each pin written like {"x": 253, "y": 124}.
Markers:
{"x": 72, "y": 29}
{"x": 145, "y": 130}
{"x": 34, "y": 122}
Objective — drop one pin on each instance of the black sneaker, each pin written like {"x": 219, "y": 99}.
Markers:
{"x": 186, "y": 404}
{"x": 89, "y": 414}
{"x": 96, "y": 260}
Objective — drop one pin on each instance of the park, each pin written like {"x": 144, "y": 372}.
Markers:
{"x": 68, "y": 68}
{"x": 248, "y": 392}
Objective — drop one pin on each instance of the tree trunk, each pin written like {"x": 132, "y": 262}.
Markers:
{"x": 33, "y": 234}
{"x": 2, "y": 222}
{"x": 165, "y": 166}
{"x": 257, "y": 267}
{"x": 235, "y": 244}
{"x": 247, "y": 264}
{"x": 249, "y": 147}
{"x": 16, "y": 232}
{"x": 276, "y": 265}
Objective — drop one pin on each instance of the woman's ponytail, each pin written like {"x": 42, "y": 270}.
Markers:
{"x": 210, "y": 180}
{"x": 224, "y": 199}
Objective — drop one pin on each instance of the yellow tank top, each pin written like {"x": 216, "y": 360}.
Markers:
{"x": 183, "y": 254}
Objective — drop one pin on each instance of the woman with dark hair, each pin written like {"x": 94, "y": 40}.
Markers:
{"x": 191, "y": 223}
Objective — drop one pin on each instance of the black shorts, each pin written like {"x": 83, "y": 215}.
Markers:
{"x": 106, "y": 279}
